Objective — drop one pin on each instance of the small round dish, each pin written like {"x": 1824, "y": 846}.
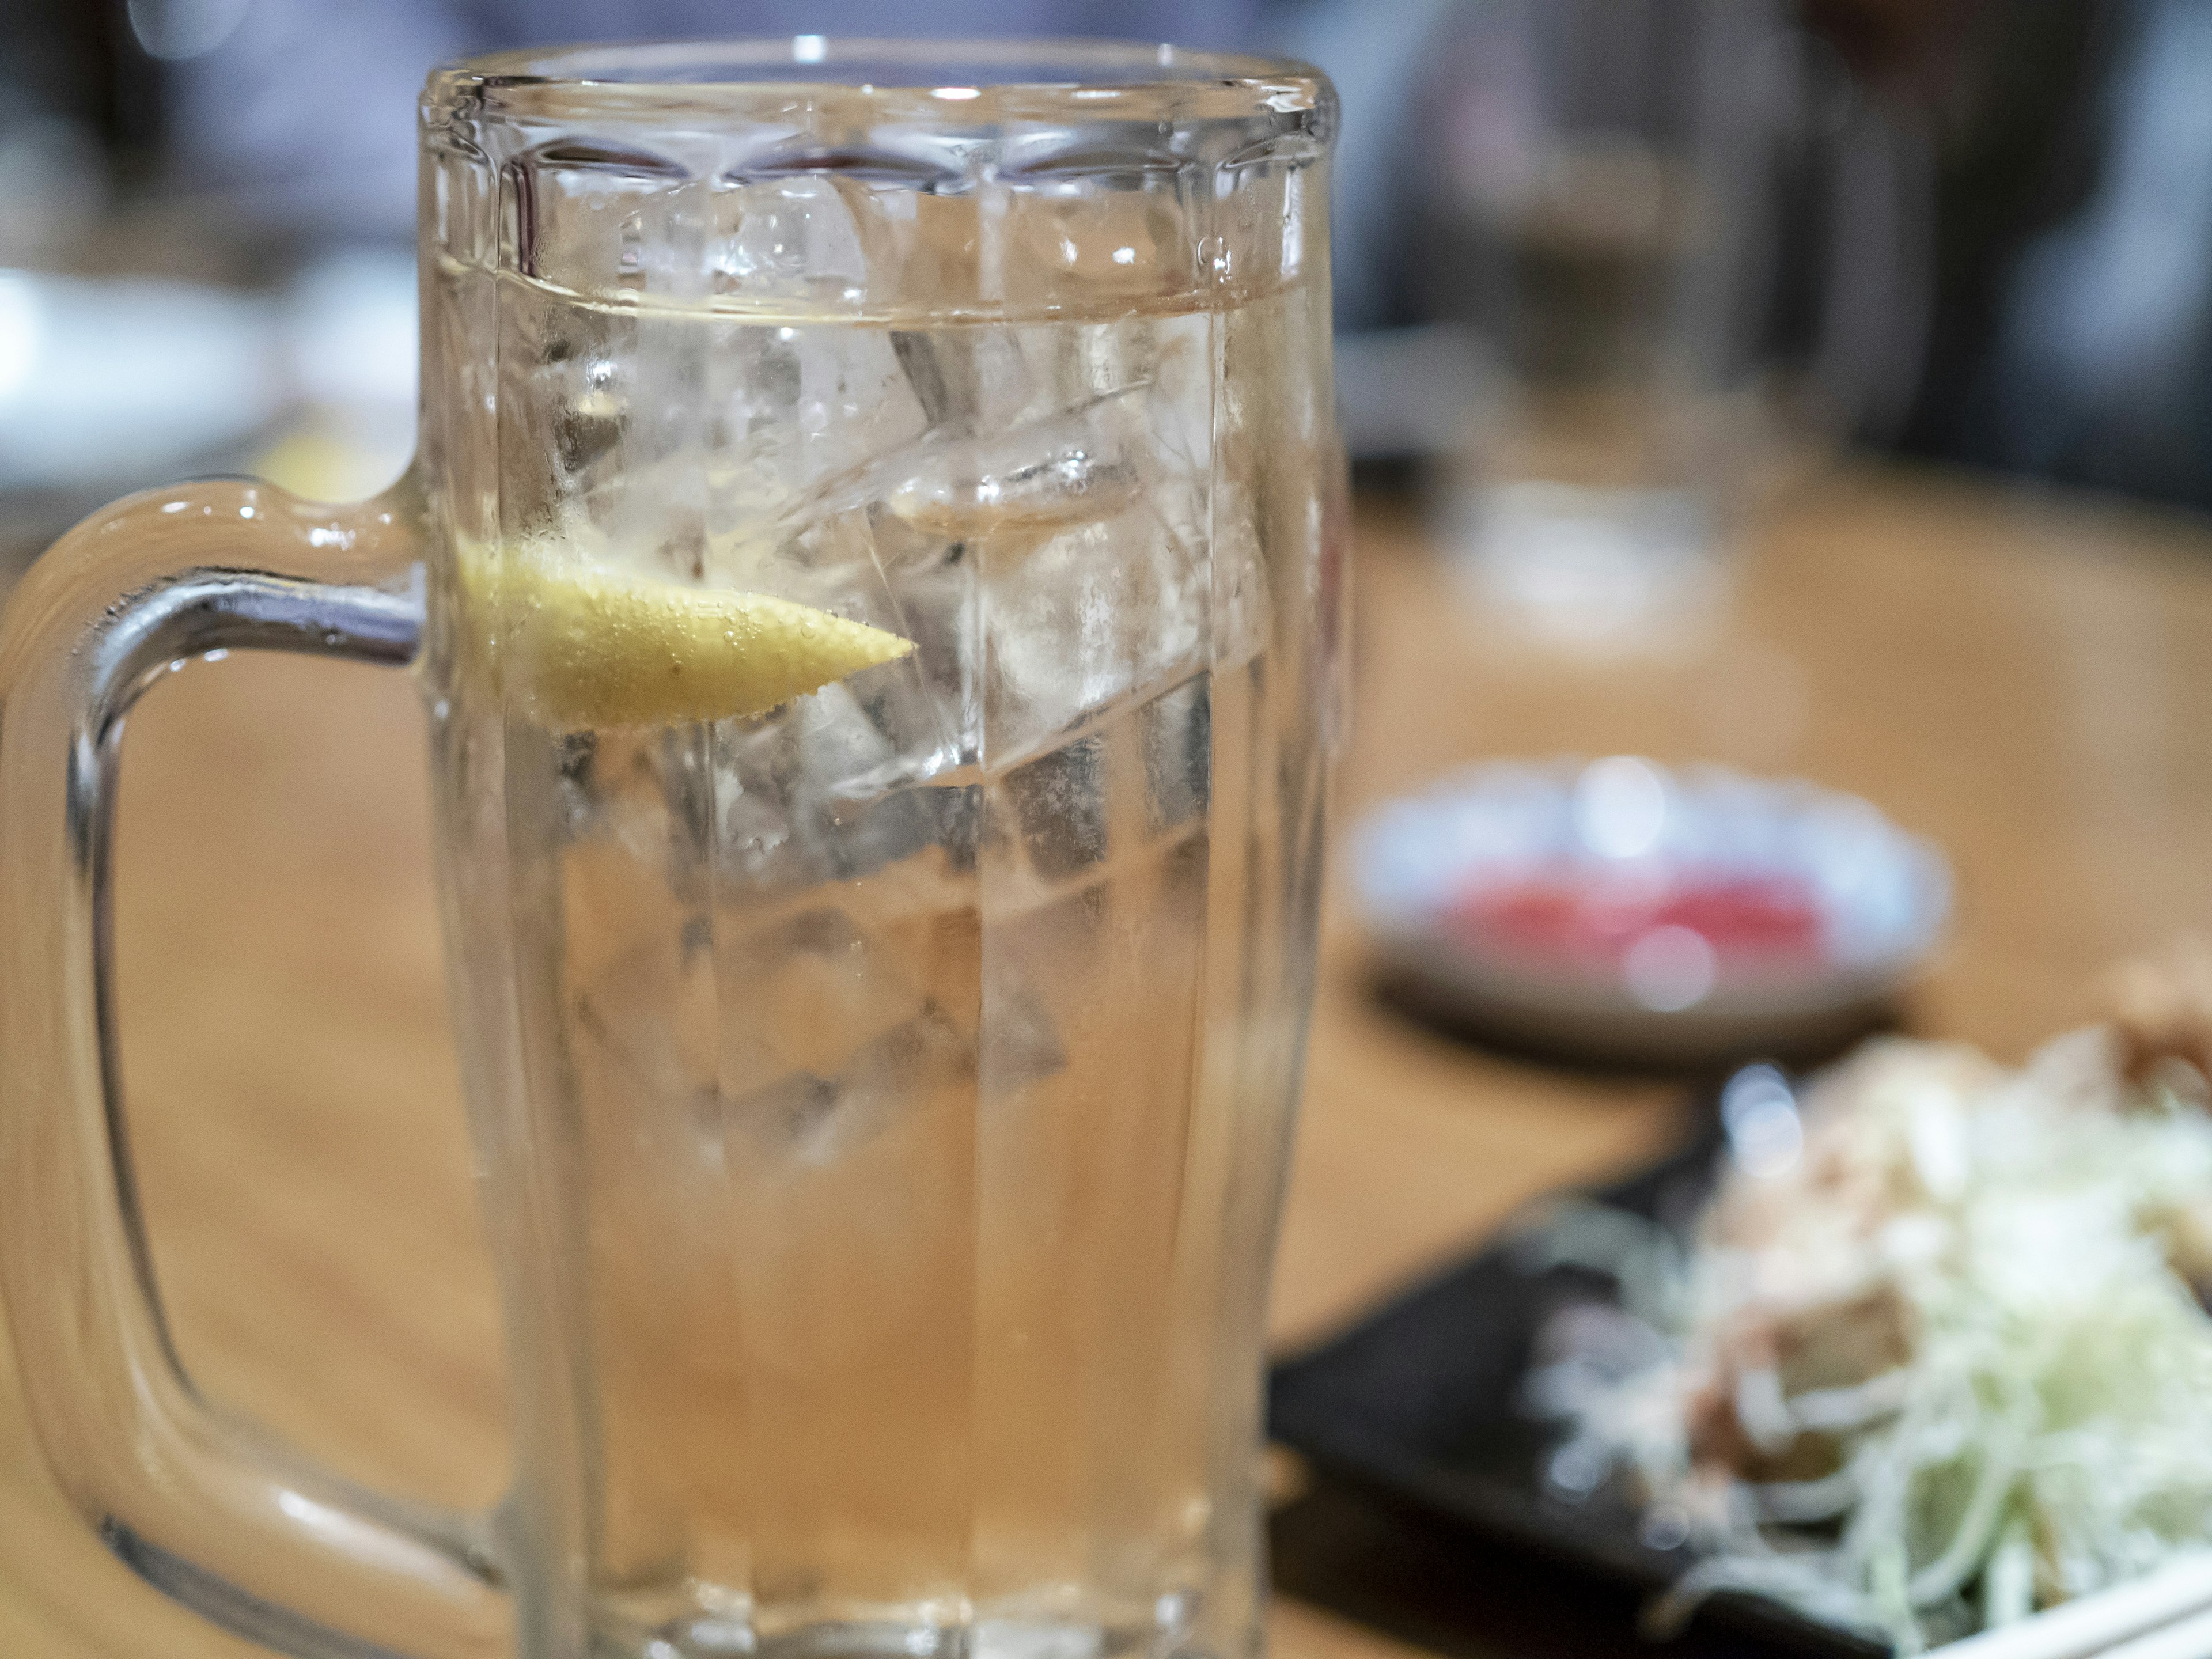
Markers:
{"x": 1623, "y": 912}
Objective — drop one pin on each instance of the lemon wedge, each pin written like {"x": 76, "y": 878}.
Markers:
{"x": 595, "y": 648}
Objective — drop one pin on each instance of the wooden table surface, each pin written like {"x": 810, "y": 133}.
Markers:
{"x": 2028, "y": 679}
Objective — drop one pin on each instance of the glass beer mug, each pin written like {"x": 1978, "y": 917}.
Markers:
{"x": 872, "y": 568}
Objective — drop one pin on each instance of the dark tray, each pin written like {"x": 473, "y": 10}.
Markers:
{"x": 1418, "y": 1406}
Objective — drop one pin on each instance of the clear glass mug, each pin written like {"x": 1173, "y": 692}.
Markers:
{"x": 873, "y": 566}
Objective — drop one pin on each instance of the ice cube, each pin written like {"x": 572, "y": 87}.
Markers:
{"x": 1242, "y": 613}
{"x": 834, "y": 1037}
{"x": 1058, "y": 805}
{"x": 1044, "y": 570}
{"x": 886, "y": 1078}
{"x": 836, "y": 785}
{"x": 1175, "y": 731}
{"x": 1023, "y": 525}
{"x": 794, "y": 232}
{"x": 817, "y": 978}
{"x": 966, "y": 379}
{"x": 1015, "y": 487}
{"x": 1083, "y": 530}
{"x": 1019, "y": 1045}
{"x": 1094, "y": 616}
{"x": 640, "y": 1050}
{"x": 798, "y": 414}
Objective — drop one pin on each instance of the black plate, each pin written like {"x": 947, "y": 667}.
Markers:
{"x": 1419, "y": 1405}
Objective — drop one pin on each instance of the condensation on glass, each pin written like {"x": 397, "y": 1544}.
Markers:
{"x": 881, "y": 1100}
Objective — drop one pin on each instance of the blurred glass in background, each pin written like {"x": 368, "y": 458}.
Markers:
{"x": 1606, "y": 269}
{"x": 1680, "y": 249}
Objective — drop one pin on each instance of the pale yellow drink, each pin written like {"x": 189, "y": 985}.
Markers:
{"x": 916, "y": 961}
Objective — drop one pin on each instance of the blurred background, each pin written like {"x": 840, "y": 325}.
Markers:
{"x": 1979, "y": 230}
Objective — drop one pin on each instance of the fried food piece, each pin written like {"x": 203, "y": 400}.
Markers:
{"x": 2162, "y": 1013}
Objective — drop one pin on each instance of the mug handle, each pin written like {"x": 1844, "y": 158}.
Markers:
{"x": 209, "y": 1509}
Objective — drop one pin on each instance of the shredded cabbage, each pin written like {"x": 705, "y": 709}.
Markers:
{"x": 1940, "y": 1367}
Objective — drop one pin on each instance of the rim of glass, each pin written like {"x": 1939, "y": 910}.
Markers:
{"x": 943, "y": 73}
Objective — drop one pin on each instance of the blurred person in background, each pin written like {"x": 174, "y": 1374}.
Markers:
{"x": 2071, "y": 145}
{"x": 255, "y": 111}
{"x": 2050, "y": 165}
{"x": 2063, "y": 150}
{"x": 2084, "y": 349}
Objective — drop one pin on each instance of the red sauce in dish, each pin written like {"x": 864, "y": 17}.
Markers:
{"x": 1575, "y": 918}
